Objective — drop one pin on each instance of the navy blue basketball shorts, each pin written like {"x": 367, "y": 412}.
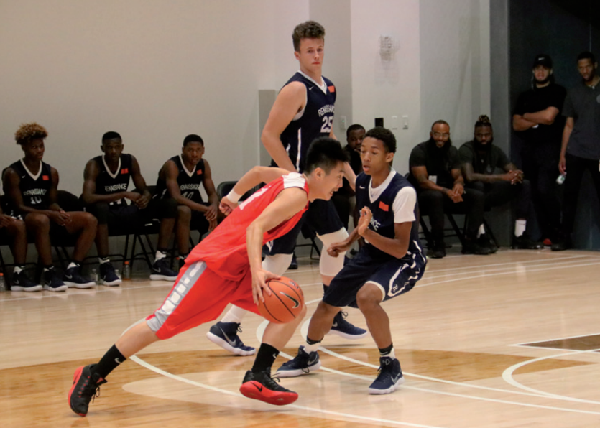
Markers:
{"x": 321, "y": 218}
{"x": 393, "y": 276}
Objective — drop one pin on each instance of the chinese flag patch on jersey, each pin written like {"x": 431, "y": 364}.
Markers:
{"x": 331, "y": 88}
{"x": 199, "y": 172}
{"x": 384, "y": 206}
{"x": 125, "y": 171}
{"x": 45, "y": 178}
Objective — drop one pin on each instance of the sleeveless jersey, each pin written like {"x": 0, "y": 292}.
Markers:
{"x": 315, "y": 121}
{"x": 224, "y": 249}
{"x": 108, "y": 183}
{"x": 382, "y": 221}
{"x": 34, "y": 189}
{"x": 189, "y": 181}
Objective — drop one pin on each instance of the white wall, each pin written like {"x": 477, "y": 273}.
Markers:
{"x": 455, "y": 65}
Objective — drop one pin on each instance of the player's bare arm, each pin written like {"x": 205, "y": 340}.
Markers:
{"x": 519, "y": 123}
{"x": 63, "y": 217}
{"x": 89, "y": 195}
{"x": 140, "y": 184}
{"x": 396, "y": 246}
{"x": 542, "y": 117}
{"x": 562, "y": 163}
{"x": 211, "y": 191}
{"x": 335, "y": 249}
{"x": 289, "y": 102}
{"x": 471, "y": 175}
{"x": 289, "y": 202}
{"x": 170, "y": 173}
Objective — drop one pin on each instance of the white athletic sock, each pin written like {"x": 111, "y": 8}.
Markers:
{"x": 103, "y": 260}
{"x": 311, "y": 348}
{"x": 234, "y": 314}
{"x": 159, "y": 255}
{"x": 17, "y": 270}
{"x": 481, "y": 231}
{"x": 391, "y": 354}
{"x": 520, "y": 226}
{"x": 72, "y": 264}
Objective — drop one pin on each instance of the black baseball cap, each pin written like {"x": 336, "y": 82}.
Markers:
{"x": 544, "y": 60}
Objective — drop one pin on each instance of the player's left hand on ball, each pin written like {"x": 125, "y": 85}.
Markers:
{"x": 226, "y": 206}
{"x": 364, "y": 221}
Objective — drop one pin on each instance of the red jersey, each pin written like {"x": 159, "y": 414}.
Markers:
{"x": 224, "y": 249}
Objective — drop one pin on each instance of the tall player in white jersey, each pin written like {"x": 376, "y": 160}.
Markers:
{"x": 302, "y": 112}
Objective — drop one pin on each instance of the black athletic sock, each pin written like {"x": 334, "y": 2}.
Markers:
{"x": 110, "y": 361}
{"x": 309, "y": 341}
{"x": 385, "y": 352}
{"x": 265, "y": 357}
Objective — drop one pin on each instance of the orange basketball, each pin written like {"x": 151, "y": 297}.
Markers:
{"x": 285, "y": 302}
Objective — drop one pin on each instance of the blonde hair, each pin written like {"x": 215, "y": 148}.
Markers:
{"x": 30, "y": 131}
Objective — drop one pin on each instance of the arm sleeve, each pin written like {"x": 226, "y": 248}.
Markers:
{"x": 404, "y": 205}
{"x": 417, "y": 158}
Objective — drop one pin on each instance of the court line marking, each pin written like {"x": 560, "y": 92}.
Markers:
{"x": 289, "y": 406}
{"x": 530, "y": 344}
{"x": 508, "y": 377}
{"x": 263, "y": 325}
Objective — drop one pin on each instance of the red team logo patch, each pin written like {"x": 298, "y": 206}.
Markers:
{"x": 45, "y": 178}
{"x": 384, "y": 206}
{"x": 199, "y": 172}
{"x": 125, "y": 171}
{"x": 331, "y": 88}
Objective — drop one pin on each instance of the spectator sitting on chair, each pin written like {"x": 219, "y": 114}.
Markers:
{"x": 537, "y": 120}
{"x": 435, "y": 173}
{"x": 13, "y": 229}
{"x": 31, "y": 186}
{"x": 106, "y": 180}
{"x": 179, "y": 179}
{"x": 580, "y": 148}
{"x": 480, "y": 160}
{"x": 344, "y": 199}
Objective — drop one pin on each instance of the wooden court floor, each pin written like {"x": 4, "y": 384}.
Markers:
{"x": 502, "y": 341}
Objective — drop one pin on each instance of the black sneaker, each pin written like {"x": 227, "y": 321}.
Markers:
{"x": 485, "y": 241}
{"x": 437, "y": 250}
{"x": 86, "y": 387}
{"x": 561, "y": 245}
{"x": 225, "y": 335}
{"x": 473, "y": 247}
{"x": 53, "y": 280}
{"x": 108, "y": 275}
{"x": 261, "y": 386}
{"x": 162, "y": 272}
{"x": 302, "y": 363}
{"x": 344, "y": 329}
{"x": 389, "y": 377}
{"x": 524, "y": 242}
{"x": 294, "y": 262}
{"x": 74, "y": 278}
{"x": 20, "y": 282}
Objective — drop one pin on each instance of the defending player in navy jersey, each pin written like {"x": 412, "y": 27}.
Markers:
{"x": 105, "y": 191}
{"x": 31, "y": 186}
{"x": 180, "y": 179}
{"x": 303, "y": 111}
{"x": 388, "y": 265}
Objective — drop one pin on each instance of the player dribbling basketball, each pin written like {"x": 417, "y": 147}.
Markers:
{"x": 226, "y": 268}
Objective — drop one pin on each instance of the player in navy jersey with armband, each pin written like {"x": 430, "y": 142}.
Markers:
{"x": 302, "y": 112}
{"x": 388, "y": 265}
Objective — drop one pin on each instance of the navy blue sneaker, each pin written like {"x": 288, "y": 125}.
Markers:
{"x": 74, "y": 278}
{"x": 108, "y": 275}
{"x": 21, "y": 282}
{"x": 225, "y": 335}
{"x": 53, "y": 280}
{"x": 344, "y": 329}
{"x": 302, "y": 363}
{"x": 389, "y": 377}
{"x": 162, "y": 272}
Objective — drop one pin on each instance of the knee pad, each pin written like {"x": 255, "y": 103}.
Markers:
{"x": 330, "y": 266}
{"x": 277, "y": 263}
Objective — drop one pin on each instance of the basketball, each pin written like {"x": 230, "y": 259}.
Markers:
{"x": 285, "y": 302}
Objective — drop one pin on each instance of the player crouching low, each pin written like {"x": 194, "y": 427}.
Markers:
{"x": 390, "y": 263}
{"x": 226, "y": 268}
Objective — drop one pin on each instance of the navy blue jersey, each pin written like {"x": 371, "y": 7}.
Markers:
{"x": 107, "y": 182}
{"x": 189, "y": 181}
{"x": 382, "y": 221}
{"x": 316, "y": 120}
{"x": 35, "y": 189}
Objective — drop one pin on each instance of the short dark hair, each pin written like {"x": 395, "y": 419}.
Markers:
{"x": 111, "y": 135}
{"x": 192, "y": 138}
{"x": 354, "y": 127}
{"x": 326, "y": 153}
{"x": 385, "y": 136}
{"x": 440, "y": 122}
{"x": 307, "y": 30}
{"x": 586, "y": 55}
{"x": 483, "y": 120}
{"x": 29, "y": 132}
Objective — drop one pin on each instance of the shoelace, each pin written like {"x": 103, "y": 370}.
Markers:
{"x": 92, "y": 391}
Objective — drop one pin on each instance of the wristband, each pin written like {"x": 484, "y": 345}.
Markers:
{"x": 233, "y": 197}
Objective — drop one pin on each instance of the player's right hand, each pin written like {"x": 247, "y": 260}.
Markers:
{"x": 6, "y": 220}
{"x": 259, "y": 282}
{"x": 132, "y": 196}
{"x": 226, "y": 206}
{"x": 335, "y": 249}
{"x": 562, "y": 165}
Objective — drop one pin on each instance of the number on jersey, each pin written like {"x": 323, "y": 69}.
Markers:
{"x": 327, "y": 125}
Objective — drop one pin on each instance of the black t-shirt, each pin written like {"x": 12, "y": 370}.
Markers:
{"x": 439, "y": 161}
{"x": 544, "y": 137}
{"x": 583, "y": 105}
{"x": 487, "y": 162}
